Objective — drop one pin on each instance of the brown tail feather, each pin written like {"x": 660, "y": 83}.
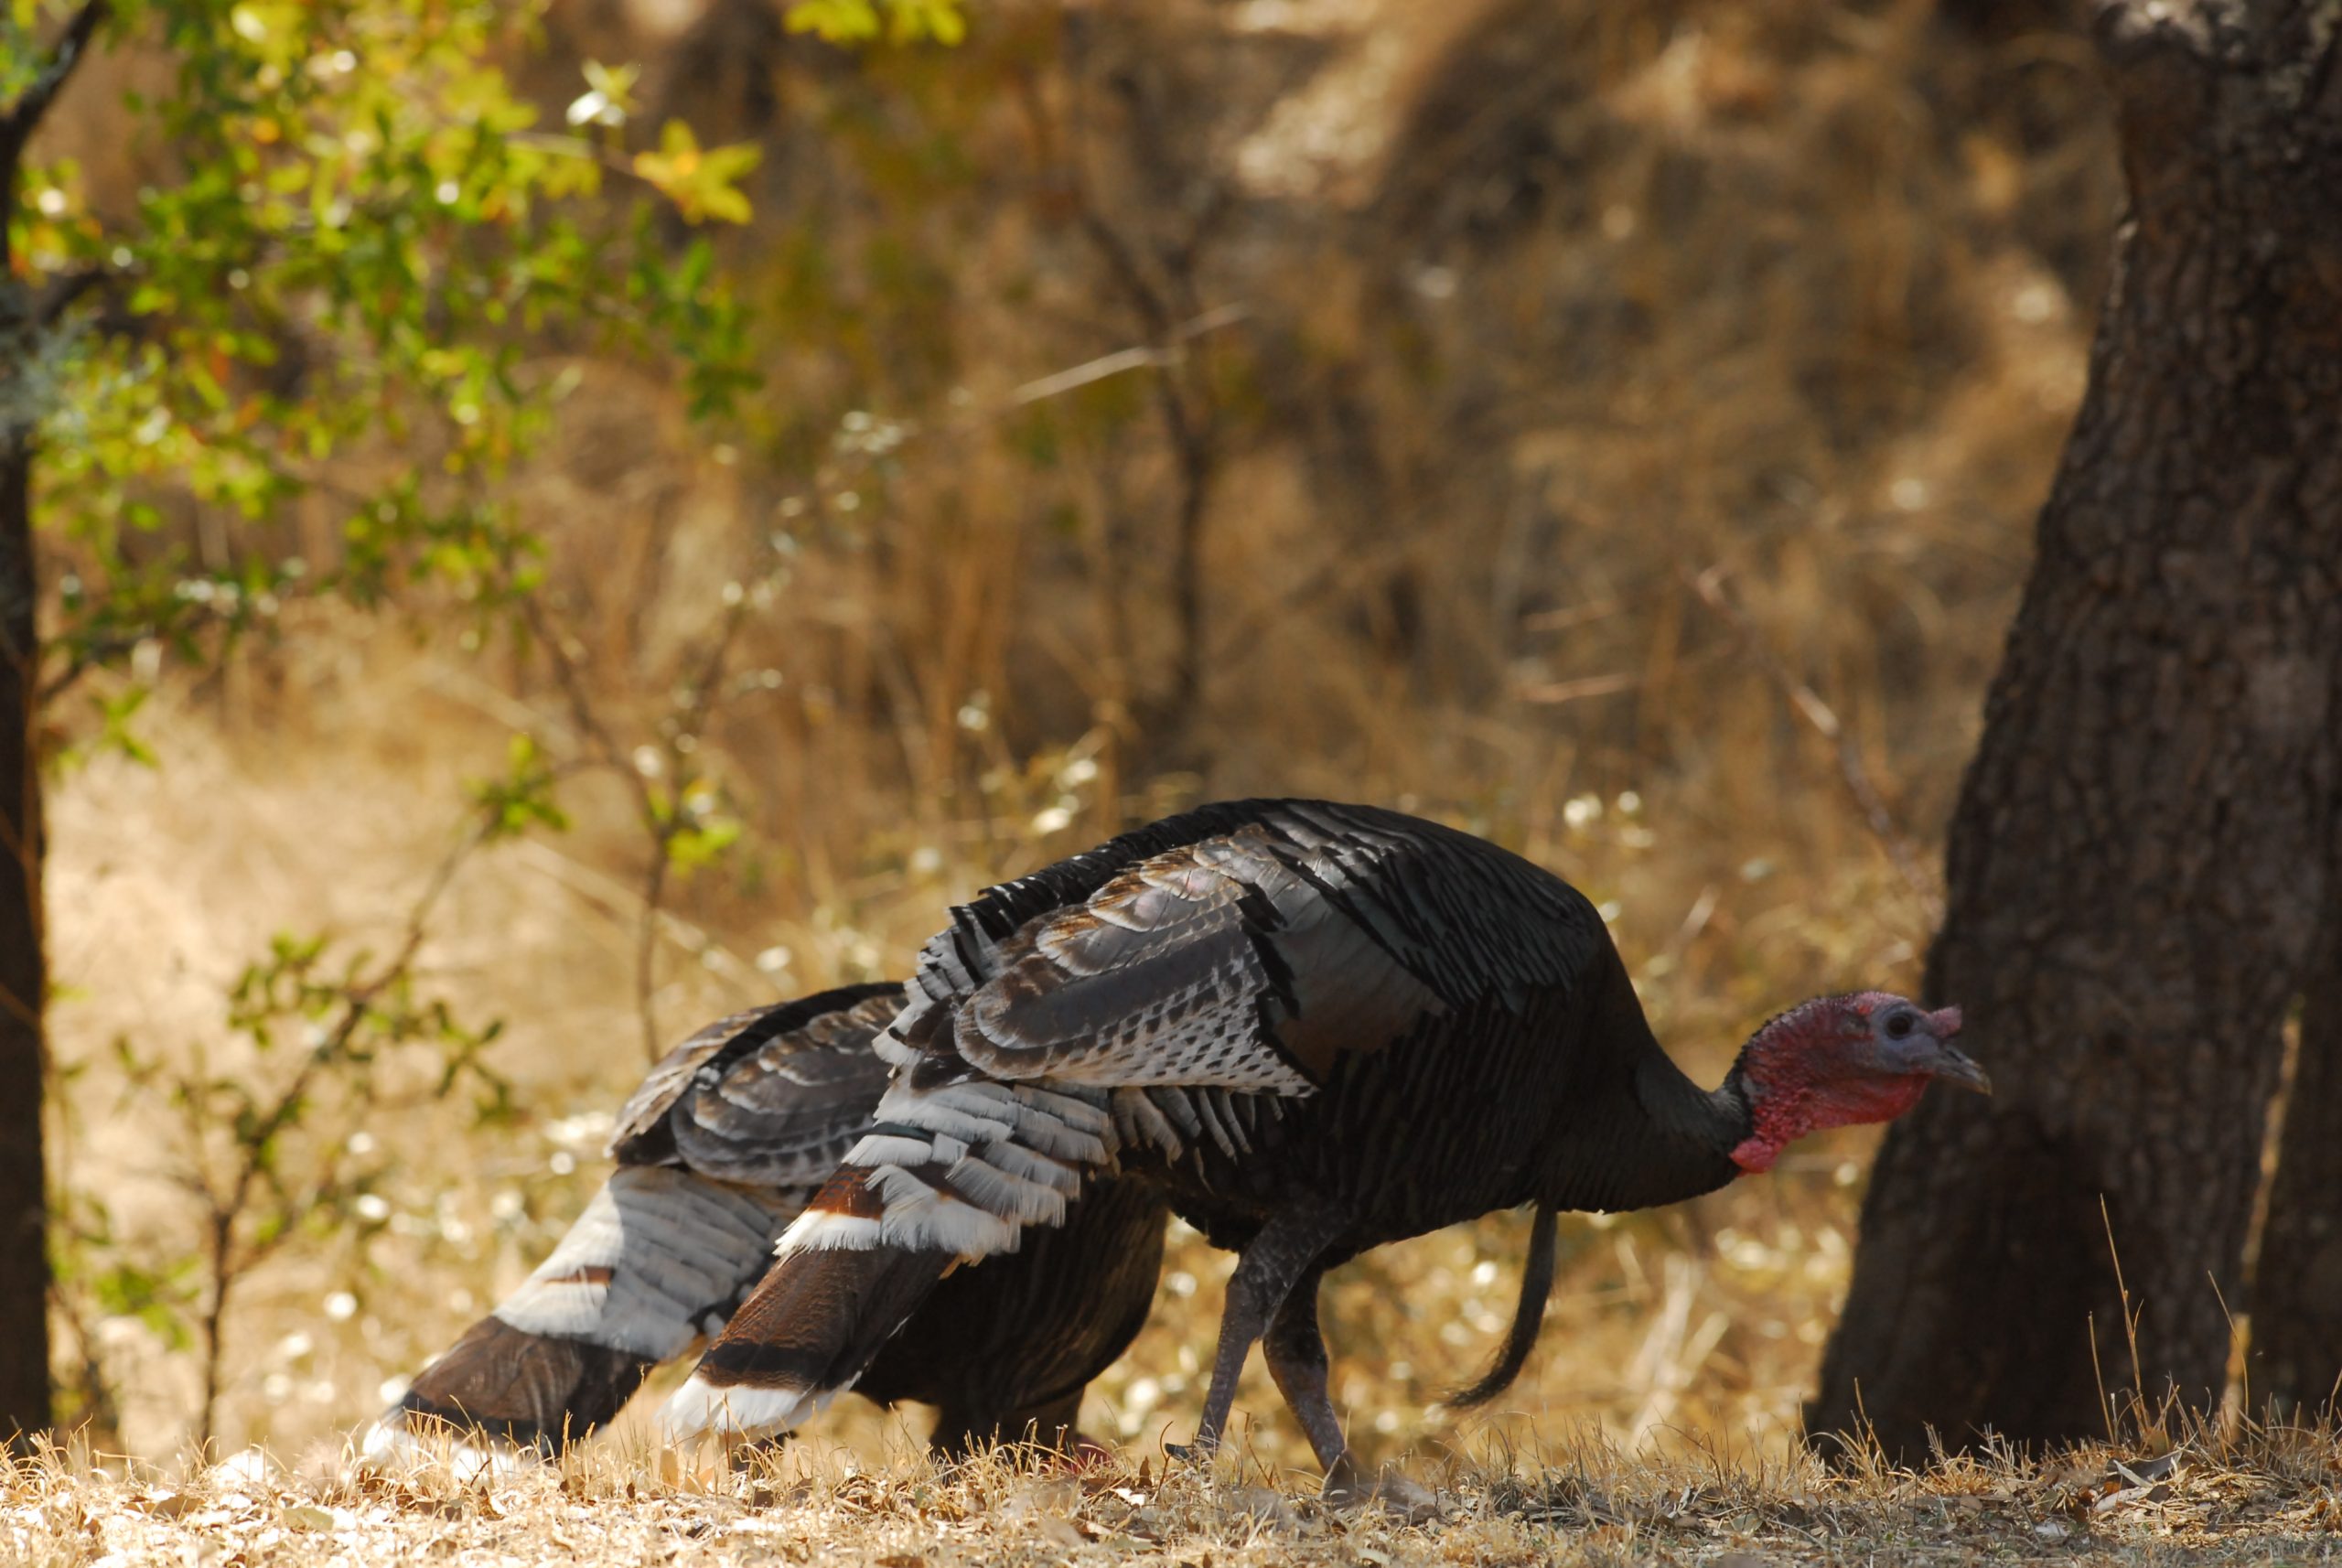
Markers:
{"x": 814, "y": 1324}
{"x": 529, "y": 1389}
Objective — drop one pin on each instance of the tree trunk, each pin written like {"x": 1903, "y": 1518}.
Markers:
{"x": 24, "y": 1253}
{"x": 2141, "y": 852}
{"x": 2296, "y": 1365}
{"x": 26, "y": 315}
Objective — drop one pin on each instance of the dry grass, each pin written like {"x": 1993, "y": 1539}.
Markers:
{"x": 1575, "y": 305}
{"x": 2274, "y": 1499}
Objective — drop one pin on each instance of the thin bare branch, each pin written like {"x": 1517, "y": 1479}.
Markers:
{"x": 1823, "y": 719}
{"x": 1143, "y": 356}
{"x": 583, "y": 715}
{"x": 661, "y": 824}
{"x": 231, "y": 1257}
{"x": 59, "y": 294}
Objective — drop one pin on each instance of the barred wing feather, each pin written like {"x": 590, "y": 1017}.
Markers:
{"x": 1215, "y": 964}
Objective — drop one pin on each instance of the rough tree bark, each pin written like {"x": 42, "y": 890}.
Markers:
{"x": 2141, "y": 856}
{"x": 27, "y": 314}
{"x": 2296, "y": 1364}
{"x": 24, "y": 1254}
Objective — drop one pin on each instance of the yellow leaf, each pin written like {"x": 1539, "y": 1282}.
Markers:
{"x": 724, "y": 203}
{"x": 698, "y": 180}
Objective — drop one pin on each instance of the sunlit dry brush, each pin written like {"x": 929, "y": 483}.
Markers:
{"x": 2270, "y": 1497}
{"x": 1544, "y": 312}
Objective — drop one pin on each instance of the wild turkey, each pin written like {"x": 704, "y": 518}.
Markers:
{"x": 1318, "y": 1027}
{"x": 717, "y": 1152}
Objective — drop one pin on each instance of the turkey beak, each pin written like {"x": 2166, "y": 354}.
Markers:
{"x": 1947, "y": 1061}
{"x": 1955, "y": 1066}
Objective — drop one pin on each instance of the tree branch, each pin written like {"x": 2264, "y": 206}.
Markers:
{"x": 1807, "y": 704}
{"x": 25, "y": 115}
{"x": 59, "y": 294}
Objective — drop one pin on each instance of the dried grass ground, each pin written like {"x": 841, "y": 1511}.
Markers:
{"x": 2270, "y": 1498}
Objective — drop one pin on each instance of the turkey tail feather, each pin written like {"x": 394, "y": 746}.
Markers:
{"x": 656, "y": 1260}
{"x": 803, "y": 1339}
{"x": 1536, "y": 1285}
{"x": 948, "y": 1174}
{"x": 530, "y": 1390}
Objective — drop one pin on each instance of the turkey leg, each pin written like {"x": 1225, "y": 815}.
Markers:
{"x": 959, "y": 1431}
{"x": 1275, "y": 1259}
{"x": 1295, "y": 1351}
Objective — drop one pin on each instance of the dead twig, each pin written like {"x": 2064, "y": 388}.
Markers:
{"x": 1807, "y": 704}
{"x": 231, "y": 1252}
{"x": 664, "y": 821}
{"x": 1154, "y": 356}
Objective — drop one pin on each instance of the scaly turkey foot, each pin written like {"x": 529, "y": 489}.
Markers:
{"x": 1085, "y": 1455}
{"x": 742, "y": 1455}
{"x": 1388, "y": 1490}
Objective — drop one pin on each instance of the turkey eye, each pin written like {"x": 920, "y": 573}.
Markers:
{"x": 1899, "y": 1025}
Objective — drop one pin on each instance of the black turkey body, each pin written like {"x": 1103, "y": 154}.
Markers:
{"x": 1314, "y": 1028}
{"x": 1518, "y": 999}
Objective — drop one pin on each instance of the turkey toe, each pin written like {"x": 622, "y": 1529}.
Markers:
{"x": 1389, "y": 1489}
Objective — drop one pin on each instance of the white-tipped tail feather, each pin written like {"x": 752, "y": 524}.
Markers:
{"x": 393, "y": 1443}
{"x": 700, "y": 1407}
{"x": 655, "y": 1262}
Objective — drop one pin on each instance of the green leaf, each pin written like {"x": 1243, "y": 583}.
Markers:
{"x": 847, "y": 22}
{"x": 699, "y": 181}
{"x": 835, "y": 21}
{"x": 523, "y": 798}
{"x": 115, "y": 734}
{"x": 692, "y": 848}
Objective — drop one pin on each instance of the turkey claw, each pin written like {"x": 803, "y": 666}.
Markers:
{"x": 1085, "y": 1455}
{"x": 1389, "y": 1490}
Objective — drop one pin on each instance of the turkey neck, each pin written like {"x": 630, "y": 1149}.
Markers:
{"x": 1641, "y": 1134}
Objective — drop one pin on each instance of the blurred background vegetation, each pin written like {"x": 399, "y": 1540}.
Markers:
{"x": 1614, "y": 430}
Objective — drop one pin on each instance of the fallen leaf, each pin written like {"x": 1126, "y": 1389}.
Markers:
{"x": 1263, "y": 1504}
{"x": 1061, "y": 1532}
{"x": 1055, "y": 1497}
